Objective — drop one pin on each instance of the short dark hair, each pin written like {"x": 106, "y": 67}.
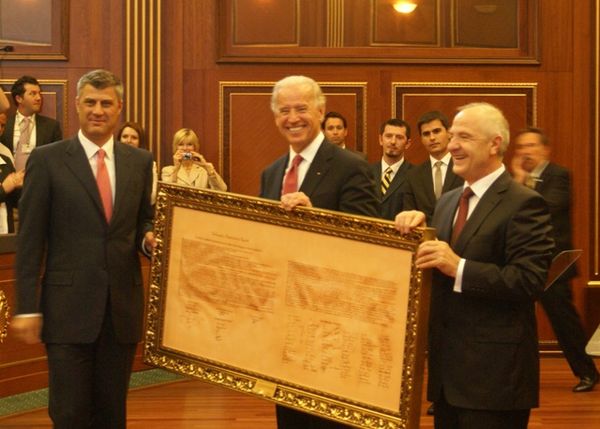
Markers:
{"x": 138, "y": 129}
{"x": 334, "y": 115}
{"x": 395, "y": 122}
{"x": 18, "y": 88}
{"x": 101, "y": 79}
{"x": 534, "y": 130}
{"x": 432, "y": 116}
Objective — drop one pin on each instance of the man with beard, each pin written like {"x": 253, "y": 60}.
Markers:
{"x": 394, "y": 138}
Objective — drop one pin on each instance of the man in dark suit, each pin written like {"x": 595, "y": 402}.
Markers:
{"x": 426, "y": 182}
{"x": 490, "y": 263}
{"x": 85, "y": 213}
{"x": 394, "y": 139}
{"x": 27, "y": 129}
{"x": 315, "y": 173}
{"x": 531, "y": 167}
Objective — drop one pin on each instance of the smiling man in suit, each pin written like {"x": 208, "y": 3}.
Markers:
{"x": 490, "y": 263}
{"x": 27, "y": 129}
{"x": 394, "y": 139}
{"x": 426, "y": 182}
{"x": 314, "y": 173}
{"x": 531, "y": 166}
{"x": 85, "y": 213}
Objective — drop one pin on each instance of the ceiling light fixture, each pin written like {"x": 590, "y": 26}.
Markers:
{"x": 405, "y": 7}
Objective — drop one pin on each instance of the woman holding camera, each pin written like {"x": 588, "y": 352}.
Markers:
{"x": 189, "y": 166}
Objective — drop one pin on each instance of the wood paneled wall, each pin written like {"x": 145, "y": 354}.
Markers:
{"x": 187, "y": 77}
{"x": 227, "y": 102}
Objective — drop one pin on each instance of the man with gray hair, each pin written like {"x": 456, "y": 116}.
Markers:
{"x": 85, "y": 213}
{"x": 314, "y": 173}
{"x": 490, "y": 263}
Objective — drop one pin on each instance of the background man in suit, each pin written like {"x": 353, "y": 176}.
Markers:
{"x": 489, "y": 267}
{"x": 86, "y": 212}
{"x": 335, "y": 128}
{"x": 531, "y": 167}
{"x": 428, "y": 181}
{"x": 315, "y": 173}
{"x": 394, "y": 139}
{"x": 27, "y": 129}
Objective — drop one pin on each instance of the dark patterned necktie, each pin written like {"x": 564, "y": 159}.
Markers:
{"x": 386, "y": 180}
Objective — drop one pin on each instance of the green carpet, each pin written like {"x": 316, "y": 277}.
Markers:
{"x": 39, "y": 398}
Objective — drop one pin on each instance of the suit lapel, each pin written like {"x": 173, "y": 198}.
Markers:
{"x": 396, "y": 181}
{"x": 444, "y": 214}
{"x": 484, "y": 208}
{"x": 426, "y": 179}
{"x": 544, "y": 178}
{"x": 122, "y": 177}
{"x": 39, "y": 130}
{"x": 377, "y": 174}
{"x": 79, "y": 165}
{"x": 318, "y": 168}
{"x": 274, "y": 180}
{"x": 451, "y": 180}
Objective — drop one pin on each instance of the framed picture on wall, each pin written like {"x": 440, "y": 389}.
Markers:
{"x": 34, "y": 30}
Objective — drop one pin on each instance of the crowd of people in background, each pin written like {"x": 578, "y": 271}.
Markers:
{"x": 497, "y": 233}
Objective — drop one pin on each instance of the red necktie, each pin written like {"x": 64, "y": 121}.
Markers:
{"x": 461, "y": 217}
{"x": 290, "y": 182}
{"x": 103, "y": 182}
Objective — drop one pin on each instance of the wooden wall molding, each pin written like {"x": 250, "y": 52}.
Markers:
{"x": 518, "y": 101}
{"x": 359, "y": 31}
{"x": 143, "y": 68}
{"x": 595, "y": 185}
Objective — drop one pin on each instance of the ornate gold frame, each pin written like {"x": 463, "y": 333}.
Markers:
{"x": 4, "y": 316}
{"x": 377, "y": 233}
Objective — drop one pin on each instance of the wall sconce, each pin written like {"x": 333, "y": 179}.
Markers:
{"x": 405, "y": 7}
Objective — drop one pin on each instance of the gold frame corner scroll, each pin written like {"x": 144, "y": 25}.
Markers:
{"x": 311, "y": 309}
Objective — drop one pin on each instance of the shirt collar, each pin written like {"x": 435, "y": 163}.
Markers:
{"x": 445, "y": 159}
{"x": 480, "y": 186}
{"x": 395, "y": 166}
{"x": 91, "y": 148}
{"x": 310, "y": 151}
{"x": 537, "y": 171}
{"x": 19, "y": 117}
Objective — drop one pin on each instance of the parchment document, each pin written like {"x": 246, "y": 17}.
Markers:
{"x": 318, "y": 311}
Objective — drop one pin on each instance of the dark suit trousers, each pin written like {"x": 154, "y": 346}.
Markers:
{"x": 558, "y": 305}
{"x": 449, "y": 417}
{"x": 288, "y": 418}
{"x": 88, "y": 383}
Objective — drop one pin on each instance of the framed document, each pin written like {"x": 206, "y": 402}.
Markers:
{"x": 312, "y": 309}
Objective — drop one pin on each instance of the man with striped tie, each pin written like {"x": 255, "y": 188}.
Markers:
{"x": 394, "y": 138}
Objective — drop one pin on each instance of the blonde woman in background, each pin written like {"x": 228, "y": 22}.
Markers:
{"x": 132, "y": 134}
{"x": 189, "y": 166}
